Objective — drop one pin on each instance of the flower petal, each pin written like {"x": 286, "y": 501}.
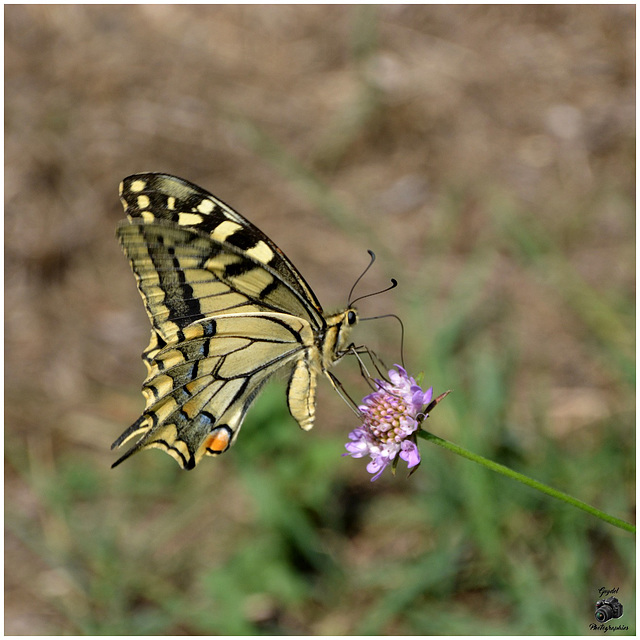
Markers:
{"x": 409, "y": 452}
{"x": 356, "y": 449}
{"x": 360, "y": 444}
{"x": 377, "y": 466}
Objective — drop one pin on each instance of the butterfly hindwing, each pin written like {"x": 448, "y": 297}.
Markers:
{"x": 227, "y": 309}
{"x": 207, "y": 381}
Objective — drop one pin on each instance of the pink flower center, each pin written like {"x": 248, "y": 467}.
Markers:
{"x": 387, "y": 418}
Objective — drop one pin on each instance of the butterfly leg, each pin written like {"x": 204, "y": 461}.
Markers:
{"x": 341, "y": 391}
{"x": 380, "y": 367}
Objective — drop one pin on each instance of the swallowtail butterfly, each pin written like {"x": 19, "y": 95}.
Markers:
{"x": 227, "y": 310}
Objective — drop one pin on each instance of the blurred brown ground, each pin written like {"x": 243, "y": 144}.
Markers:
{"x": 537, "y": 101}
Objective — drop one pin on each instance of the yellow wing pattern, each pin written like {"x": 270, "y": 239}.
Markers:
{"x": 227, "y": 309}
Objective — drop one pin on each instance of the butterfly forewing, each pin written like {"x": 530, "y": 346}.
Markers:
{"x": 184, "y": 275}
{"x": 227, "y": 309}
{"x": 156, "y": 198}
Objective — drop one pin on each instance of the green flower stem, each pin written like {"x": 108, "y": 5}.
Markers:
{"x": 505, "y": 471}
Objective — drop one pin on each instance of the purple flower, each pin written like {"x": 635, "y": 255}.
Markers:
{"x": 391, "y": 415}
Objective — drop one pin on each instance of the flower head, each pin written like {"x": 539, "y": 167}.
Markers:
{"x": 391, "y": 415}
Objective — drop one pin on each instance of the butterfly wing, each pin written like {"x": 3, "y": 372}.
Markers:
{"x": 200, "y": 388}
{"x": 227, "y": 310}
{"x": 194, "y": 256}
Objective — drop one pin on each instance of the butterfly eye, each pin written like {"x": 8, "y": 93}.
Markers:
{"x": 351, "y": 317}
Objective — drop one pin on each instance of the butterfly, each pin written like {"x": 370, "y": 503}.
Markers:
{"x": 228, "y": 310}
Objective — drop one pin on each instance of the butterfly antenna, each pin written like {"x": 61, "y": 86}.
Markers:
{"x": 394, "y": 283}
{"x": 392, "y": 315}
{"x": 355, "y": 284}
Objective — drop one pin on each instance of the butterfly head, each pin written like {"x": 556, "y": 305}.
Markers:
{"x": 337, "y": 335}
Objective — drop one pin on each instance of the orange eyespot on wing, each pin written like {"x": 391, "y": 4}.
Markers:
{"x": 218, "y": 441}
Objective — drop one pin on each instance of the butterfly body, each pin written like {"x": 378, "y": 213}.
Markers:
{"x": 228, "y": 310}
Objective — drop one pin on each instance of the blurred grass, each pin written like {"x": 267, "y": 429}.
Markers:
{"x": 517, "y": 291}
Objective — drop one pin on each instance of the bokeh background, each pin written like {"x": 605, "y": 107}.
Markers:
{"x": 487, "y": 155}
